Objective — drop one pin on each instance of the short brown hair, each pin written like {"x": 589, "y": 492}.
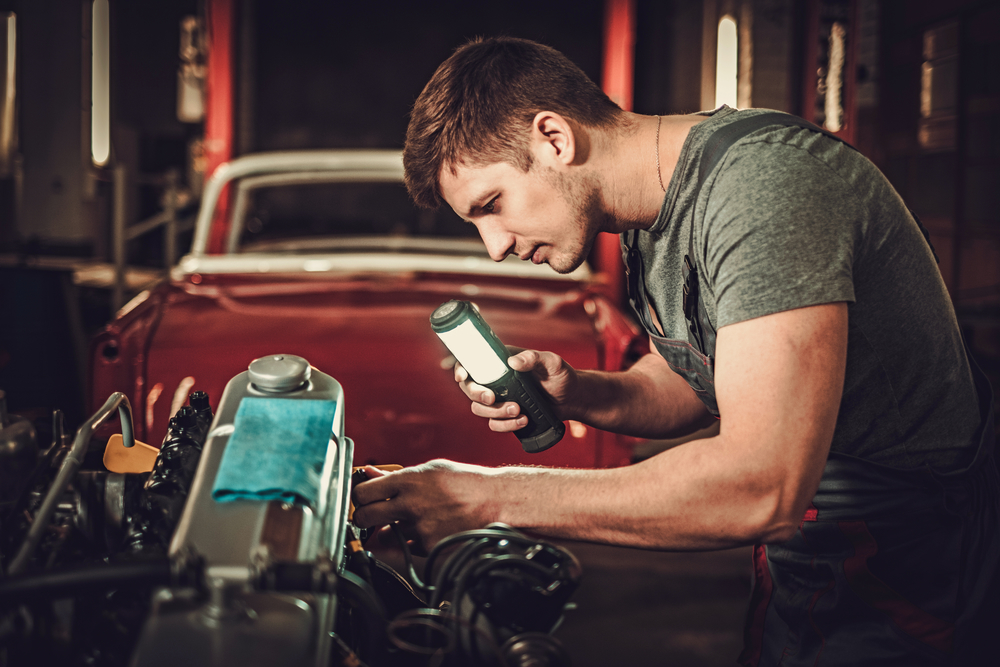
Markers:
{"x": 480, "y": 102}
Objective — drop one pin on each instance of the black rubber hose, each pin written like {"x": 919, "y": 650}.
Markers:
{"x": 84, "y": 580}
{"x": 357, "y": 592}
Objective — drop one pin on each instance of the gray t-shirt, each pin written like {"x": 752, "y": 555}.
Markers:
{"x": 791, "y": 218}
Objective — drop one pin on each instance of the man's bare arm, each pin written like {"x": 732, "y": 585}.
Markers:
{"x": 779, "y": 380}
{"x": 647, "y": 400}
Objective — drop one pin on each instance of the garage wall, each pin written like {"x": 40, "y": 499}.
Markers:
{"x": 51, "y": 123}
{"x": 333, "y": 75}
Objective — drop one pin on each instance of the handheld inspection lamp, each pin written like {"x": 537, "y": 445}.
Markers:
{"x": 467, "y": 336}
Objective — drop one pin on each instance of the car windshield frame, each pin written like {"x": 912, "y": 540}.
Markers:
{"x": 357, "y": 253}
{"x": 247, "y": 186}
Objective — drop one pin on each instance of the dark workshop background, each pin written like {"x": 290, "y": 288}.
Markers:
{"x": 923, "y": 104}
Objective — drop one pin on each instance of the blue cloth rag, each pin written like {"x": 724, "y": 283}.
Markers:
{"x": 276, "y": 451}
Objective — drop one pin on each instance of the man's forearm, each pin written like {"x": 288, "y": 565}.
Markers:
{"x": 701, "y": 495}
{"x": 648, "y": 400}
{"x": 779, "y": 379}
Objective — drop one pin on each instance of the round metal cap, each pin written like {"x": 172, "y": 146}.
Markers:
{"x": 449, "y": 314}
{"x": 279, "y": 372}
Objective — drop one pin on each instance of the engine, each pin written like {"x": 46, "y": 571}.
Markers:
{"x": 232, "y": 545}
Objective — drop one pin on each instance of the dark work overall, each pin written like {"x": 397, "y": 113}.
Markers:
{"x": 889, "y": 566}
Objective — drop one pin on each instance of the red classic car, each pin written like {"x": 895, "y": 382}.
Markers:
{"x": 321, "y": 254}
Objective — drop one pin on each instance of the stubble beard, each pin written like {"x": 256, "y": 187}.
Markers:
{"x": 582, "y": 194}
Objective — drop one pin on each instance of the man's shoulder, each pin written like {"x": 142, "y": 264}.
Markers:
{"x": 752, "y": 129}
{"x": 750, "y": 142}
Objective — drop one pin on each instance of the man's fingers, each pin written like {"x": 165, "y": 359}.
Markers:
{"x": 372, "y": 472}
{"x": 379, "y": 486}
{"x": 477, "y": 392}
{"x": 504, "y": 418}
{"x": 508, "y": 425}
{"x": 378, "y": 513}
{"x": 544, "y": 364}
{"x": 507, "y": 410}
{"x": 525, "y": 360}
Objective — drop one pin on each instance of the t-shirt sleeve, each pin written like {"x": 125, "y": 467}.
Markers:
{"x": 780, "y": 232}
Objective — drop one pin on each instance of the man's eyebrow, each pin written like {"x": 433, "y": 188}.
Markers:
{"x": 477, "y": 202}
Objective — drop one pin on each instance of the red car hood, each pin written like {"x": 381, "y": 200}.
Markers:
{"x": 370, "y": 334}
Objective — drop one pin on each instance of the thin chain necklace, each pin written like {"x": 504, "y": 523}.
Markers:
{"x": 659, "y": 174}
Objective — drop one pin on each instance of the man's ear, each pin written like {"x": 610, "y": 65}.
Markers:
{"x": 553, "y": 141}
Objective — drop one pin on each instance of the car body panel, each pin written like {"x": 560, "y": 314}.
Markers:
{"x": 359, "y": 311}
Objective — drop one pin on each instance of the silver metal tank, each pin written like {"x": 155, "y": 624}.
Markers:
{"x": 237, "y": 625}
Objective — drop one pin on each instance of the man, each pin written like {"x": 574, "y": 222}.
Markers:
{"x": 787, "y": 292}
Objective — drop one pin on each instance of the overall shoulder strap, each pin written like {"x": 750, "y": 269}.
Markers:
{"x": 701, "y": 331}
{"x": 722, "y": 139}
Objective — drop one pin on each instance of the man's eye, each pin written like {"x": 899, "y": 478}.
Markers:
{"x": 490, "y": 206}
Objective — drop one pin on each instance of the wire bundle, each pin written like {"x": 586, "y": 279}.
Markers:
{"x": 497, "y": 595}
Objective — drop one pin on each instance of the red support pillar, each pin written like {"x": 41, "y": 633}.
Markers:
{"x": 618, "y": 78}
{"x": 220, "y": 20}
{"x": 619, "y": 51}
{"x": 813, "y": 15}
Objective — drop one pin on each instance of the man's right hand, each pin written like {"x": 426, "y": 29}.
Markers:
{"x": 430, "y": 501}
{"x": 557, "y": 378}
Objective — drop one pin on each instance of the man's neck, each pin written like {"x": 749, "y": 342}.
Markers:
{"x": 633, "y": 191}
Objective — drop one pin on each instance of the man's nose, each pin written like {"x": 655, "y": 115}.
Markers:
{"x": 499, "y": 243}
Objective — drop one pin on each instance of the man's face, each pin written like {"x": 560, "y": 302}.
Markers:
{"x": 539, "y": 215}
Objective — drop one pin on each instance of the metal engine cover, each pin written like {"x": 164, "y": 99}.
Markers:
{"x": 237, "y": 625}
